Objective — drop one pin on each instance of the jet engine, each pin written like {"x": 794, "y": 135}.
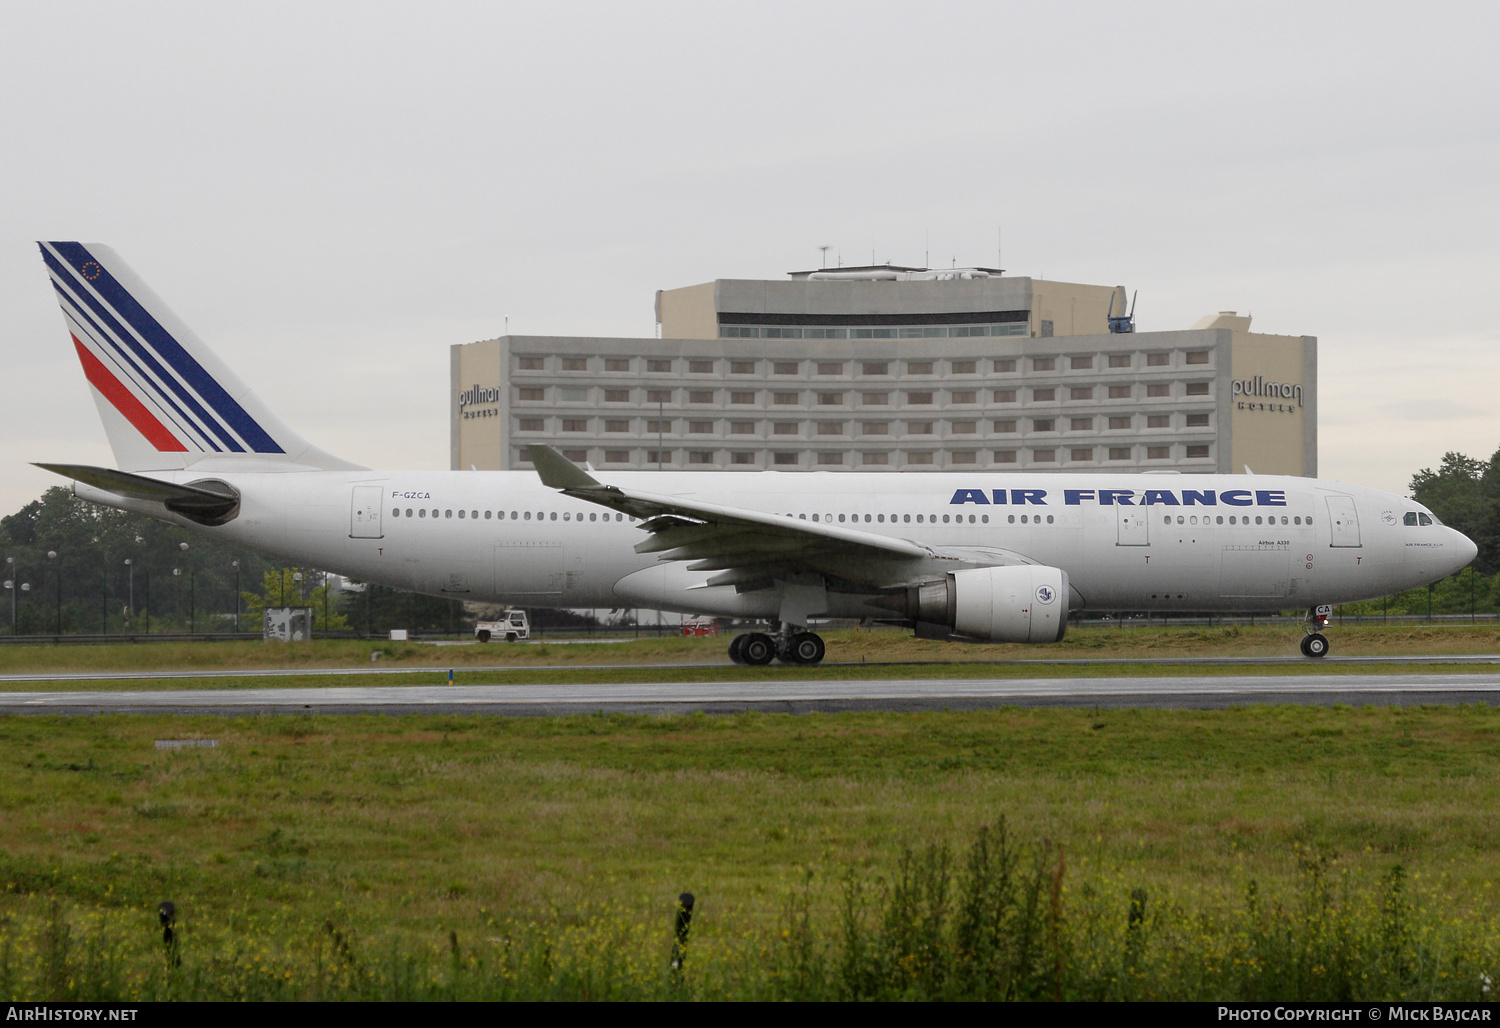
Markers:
{"x": 1023, "y": 603}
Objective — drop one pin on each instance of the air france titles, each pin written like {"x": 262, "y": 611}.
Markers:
{"x": 1126, "y": 497}
{"x": 1258, "y": 386}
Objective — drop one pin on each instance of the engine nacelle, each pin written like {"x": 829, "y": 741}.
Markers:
{"x": 1023, "y": 603}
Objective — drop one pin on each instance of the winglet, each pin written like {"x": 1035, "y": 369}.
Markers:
{"x": 558, "y": 472}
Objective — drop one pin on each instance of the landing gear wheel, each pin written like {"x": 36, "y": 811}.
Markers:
{"x": 757, "y": 649}
{"x": 1315, "y": 645}
{"x": 805, "y": 648}
{"x": 734, "y": 649}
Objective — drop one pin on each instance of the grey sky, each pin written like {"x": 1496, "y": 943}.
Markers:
{"x": 332, "y": 194}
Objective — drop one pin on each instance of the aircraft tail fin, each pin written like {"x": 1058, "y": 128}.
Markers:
{"x": 166, "y": 400}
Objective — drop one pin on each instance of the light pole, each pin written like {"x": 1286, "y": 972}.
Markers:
{"x": 130, "y": 597}
{"x": 10, "y": 584}
{"x": 52, "y": 555}
{"x": 236, "y": 594}
{"x": 297, "y": 577}
{"x": 192, "y": 590}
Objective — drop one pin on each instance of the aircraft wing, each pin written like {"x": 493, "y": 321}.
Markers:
{"x": 748, "y": 547}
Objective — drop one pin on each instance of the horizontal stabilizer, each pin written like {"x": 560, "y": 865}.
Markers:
{"x": 200, "y": 501}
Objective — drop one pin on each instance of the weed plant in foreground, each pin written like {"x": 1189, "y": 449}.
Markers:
{"x": 1003, "y": 921}
{"x": 1286, "y": 852}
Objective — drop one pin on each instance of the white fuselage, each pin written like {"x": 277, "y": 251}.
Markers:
{"x": 1127, "y": 542}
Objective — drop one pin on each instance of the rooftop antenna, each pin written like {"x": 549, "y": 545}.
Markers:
{"x": 825, "y": 250}
{"x": 927, "y": 250}
{"x": 999, "y": 247}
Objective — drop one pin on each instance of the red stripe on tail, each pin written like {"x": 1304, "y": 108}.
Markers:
{"x": 125, "y": 402}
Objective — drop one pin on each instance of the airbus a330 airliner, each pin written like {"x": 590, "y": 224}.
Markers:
{"x": 986, "y": 557}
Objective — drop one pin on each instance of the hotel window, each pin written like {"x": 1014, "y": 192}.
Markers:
{"x": 1005, "y": 365}
{"x": 784, "y": 399}
{"x": 1081, "y": 425}
{"x": 1081, "y": 393}
{"x": 701, "y": 396}
{"x": 658, "y": 426}
{"x": 656, "y": 367}
{"x": 573, "y": 395}
{"x": 919, "y": 367}
{"x": 742, "y": 397}
{"x": 617, "y": 456}
{"x": 918, "y": 398}
{"x": 1005, "y": 426}
{"x": 1197, "y": 388}
{"x": 1197, "y": 420}
{"x": 741, "y": 457}
{"x": 1158, "y": 360}
{"x": 964, "y": 457}
{"x": 875, "y": 428}
{"x": 1044, "y": 364}
{"x": 1159, "y": 389}
{"x": 1080, "y": 363}
{"x": 875, "y": 368}
{"x": 1197, "y": 357}
{"x": 964, "y": 367}
{"x": 830, "y": 428}
{"x": 875, "y": 399}
{"x": 532, "y": 363}
{"x": 700, "y": 456}
{"x": 742, "y": 428}
{"x": 1119, "y": 392}
{"x": 1005, "y": 456}
{"x": 830, "y": 367}
{"x": 700, "y": 427}
{"x": 1158, "y": 452}
{"x": 576, "y": 455}
{"x": 780, "y": 459}
{"x": 784, "y": 368}
{"x": 965, "y": 396}
{"x": 1081, "y": 453}
{"x": 658, "y": 396}
{"x": 1043, "y": 425}
{"x": 965, "y": 427}
{"x": 1043, "y": 395}
{"x": 919, "y": 428}
{"x": 575, "y": 363}
{"x": 1158, "y": 421}
{"x": 1119, "y": 453}
{"x": 533, "y": 424}
{"x": 620, "y": 425}
{"x": 533, "y": 394}
{"x": 919, "y": 458}
{"x": 741, "y": 368}
{"x": 658, "y": 456}
{"x": 1005, "y": 396}
{"x": 875, "y": 458}
{"x": 700, "y": 368}
{"x": 1119, "y": 423}
{"x": 1119, "y": 360}
{"x": 830, "y": 457}
{"x": 1197, "y": 450}
{"x": 1044, "y": 456}
{"x": 616, "y": 364}
{"x": 830, "y": 399}
{"x": 617, "y": 396}
{"x": 784, "y": 428}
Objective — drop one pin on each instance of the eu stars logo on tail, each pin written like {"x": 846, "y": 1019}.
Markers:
{"x": 166, "y": 401}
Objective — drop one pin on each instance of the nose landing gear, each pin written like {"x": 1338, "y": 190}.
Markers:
{"x": 1315, "y": 643}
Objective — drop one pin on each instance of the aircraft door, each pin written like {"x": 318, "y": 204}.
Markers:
{"x": 364, "y": 514}
{"x": 1134, "y": 527}
{"x": 1343, "y": 521}
{"x": 529, "y": 570}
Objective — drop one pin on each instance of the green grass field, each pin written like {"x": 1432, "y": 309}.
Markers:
{"x": 380, "y": 857}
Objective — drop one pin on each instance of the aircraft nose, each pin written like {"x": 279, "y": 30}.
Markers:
{"x": 1467, "y": 551}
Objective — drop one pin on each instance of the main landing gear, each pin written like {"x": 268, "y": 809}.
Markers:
{"x": 788, "y": 646}
{"x": 1315, "y": 643}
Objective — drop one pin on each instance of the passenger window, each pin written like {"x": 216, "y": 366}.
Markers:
{"x": 919, "y": 519}
{"x": 554, "y": 515}
{"x": 1010, "y": 518}
{"x": 1410, "y": 518}
{"x": 422, "y": 513}
{"x": 1219, "y": 520}
{"x": 408, "y": 512}
{"x": 984, "y": 518}
{"x": 1424, "y": 519}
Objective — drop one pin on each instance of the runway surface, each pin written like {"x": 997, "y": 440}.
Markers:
{"x": 785, "y": 697}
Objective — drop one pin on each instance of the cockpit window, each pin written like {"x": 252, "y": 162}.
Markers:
{"x": 1410, "y": 518}
{"x": 1424, "y": 519}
